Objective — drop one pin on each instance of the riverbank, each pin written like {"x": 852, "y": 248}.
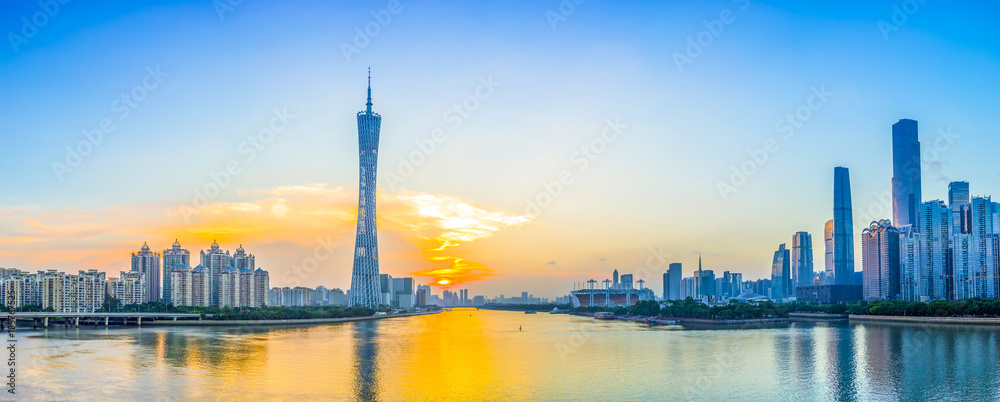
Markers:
{"x": 688, "y": 321}
{"x": 817, "y": 316}
{"x": 266, "y": 323}
{"x": 927, "y": 320}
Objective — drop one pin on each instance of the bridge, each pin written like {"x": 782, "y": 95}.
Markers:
{"x": 95, "y": 318}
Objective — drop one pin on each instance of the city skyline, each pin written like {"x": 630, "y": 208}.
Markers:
{"x": 463, "y": 206}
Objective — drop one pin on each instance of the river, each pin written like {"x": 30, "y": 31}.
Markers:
{"x": 499, "y": 355}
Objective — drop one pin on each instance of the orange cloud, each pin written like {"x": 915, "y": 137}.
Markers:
{"x": 281, "y": 225}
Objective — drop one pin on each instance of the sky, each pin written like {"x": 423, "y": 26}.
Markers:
{"x": 525, "y": 145}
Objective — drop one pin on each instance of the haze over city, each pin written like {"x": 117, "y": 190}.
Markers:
{"x": 524, "y": 147}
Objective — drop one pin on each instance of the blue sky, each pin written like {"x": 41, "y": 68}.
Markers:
{"x": 655, "y": 186}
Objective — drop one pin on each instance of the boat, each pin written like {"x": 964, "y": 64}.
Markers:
{"x": 529, "y": 312}
{"x": 604, "y": 315}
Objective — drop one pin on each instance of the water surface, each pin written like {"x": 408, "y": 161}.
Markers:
{"x": 499, "y": 355}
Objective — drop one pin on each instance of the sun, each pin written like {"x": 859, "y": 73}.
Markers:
{"x": 443, "y": 282}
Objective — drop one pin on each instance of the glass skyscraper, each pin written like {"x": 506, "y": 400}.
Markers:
{"x": 781, "y": 279}
{"x": 843, "y": 228}
{"x": 905, "y": 173}
{"x": 802, "y": 259}
{"x": 365, "y": 276}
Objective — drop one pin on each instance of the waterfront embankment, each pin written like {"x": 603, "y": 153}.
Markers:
{"x": 927, "y": 320}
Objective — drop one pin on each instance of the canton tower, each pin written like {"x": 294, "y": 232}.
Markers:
{"x": 364, "y": 280}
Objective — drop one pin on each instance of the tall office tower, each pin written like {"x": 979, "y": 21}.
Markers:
{"x": 905, "y": 172}
{"x": 706, "y": 282}
{"x": 913, "y": 282}
{"x": 781, "y": 274}
{"x": 148, "y": 263}
{"x": 802, "y": 261}
{"x": 737, "y": 284}
{"x": 215, "y": 261}
{"x": 626, "y": 282}
{"x": 173, "y": 257}
{"x": 672, "y": 282}
{"x": 935, "y": 228}
{"x": 983, "y": 252}
{"x": 958, "y": 196}
{"x": 615, "y": 278}
{"x": 843, "y": 228}
{"x": 962, "y": 266}
{"x": 241, "y": 260}
{"x": 880, "y": 261}
{"x": 828, "y": 266}
{"x": 385, "y": 290}
{"x": 365, "y": 276}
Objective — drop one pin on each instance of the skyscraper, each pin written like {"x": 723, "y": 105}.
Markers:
{"x": 802, "y": 260}
{"x": 935, "y": 228}
{"x": 365, "y": 276}
{"x": 672, "y": 282}
{"x": 880, "y": 261}
{"x": 615, "y": 276}
{"x": 958, "y": 197}
{"x": 985, "y": 268}
{"x": 843, "y": 228}
{"x": 173, "y": 257}
{"x": 905, "y": 172}
{"x": 828, "y": 267}
{"x": 148, "y": 264}
{"x": 781, "y": 278}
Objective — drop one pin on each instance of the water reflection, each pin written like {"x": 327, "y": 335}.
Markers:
{"x": 366, "y": 375}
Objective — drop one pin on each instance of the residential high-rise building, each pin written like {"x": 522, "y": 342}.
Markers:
{"x": 215, "y": 261}
{"x": 935, "y": 234}
{"x": 128, "y": 288}
{"x": 201, "y": 287}
{"x": 781, "y": 275}
{"x": 173, "y": 257}
{"x": 181, "y": 287}
{"x": 880, "y": 261}
{"x": 261, "y": 284}
{"x": 337, "y": 297}
{"x": 148, "y": 264}
{"x": 913, "y": 281}
{"x": 241, "y": 260}
{"x": 828, "y": 266}
{"x": 983, "y": 261}
{"x": 672, "y": 282}
{"x": 843, "y": 228}
{"x": 802, "y": 261}
{"x": 229, "y": 288}
{"x": 906, "y": 196}
{"x": 364, "y": 279}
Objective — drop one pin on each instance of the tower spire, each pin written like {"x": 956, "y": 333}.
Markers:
{"x": 369, "y": 104}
